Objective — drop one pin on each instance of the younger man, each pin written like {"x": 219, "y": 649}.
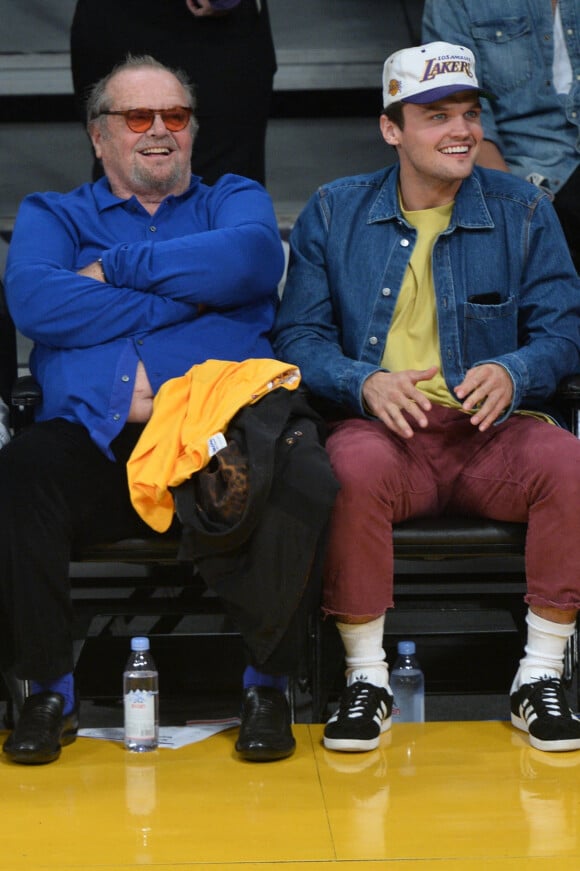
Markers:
{"x": 436, "y": 304}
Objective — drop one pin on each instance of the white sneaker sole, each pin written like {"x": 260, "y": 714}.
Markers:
{"x": 565, "y": 744}
{"x": 356, "y": 745}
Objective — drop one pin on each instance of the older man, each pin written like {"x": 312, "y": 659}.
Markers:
{"x": 122, "y": 285}
{"x": 437, "y": 304}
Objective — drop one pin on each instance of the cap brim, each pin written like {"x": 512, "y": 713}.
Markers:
{"x": 440, "y": 93}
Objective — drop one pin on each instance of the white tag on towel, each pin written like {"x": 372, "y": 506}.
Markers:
{"x": 216, "y": 443}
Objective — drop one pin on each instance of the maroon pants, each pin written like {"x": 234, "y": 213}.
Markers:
{"x": 521, "y": 470}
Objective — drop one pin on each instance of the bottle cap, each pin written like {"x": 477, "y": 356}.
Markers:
{"x": 406, "y": 648}
{"x": 140, "y": 643}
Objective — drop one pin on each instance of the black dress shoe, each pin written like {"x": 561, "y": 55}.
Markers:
{"x": 42, "y": 730}
{"x": 265, "y": 731}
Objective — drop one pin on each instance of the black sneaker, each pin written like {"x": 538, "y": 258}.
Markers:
{"x": 363, "y": 714}
{"x": 540, "y": 709}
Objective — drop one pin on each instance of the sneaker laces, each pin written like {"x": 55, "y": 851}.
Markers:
{"x": 549, "y": 695}
{"x": 360, "y": 700}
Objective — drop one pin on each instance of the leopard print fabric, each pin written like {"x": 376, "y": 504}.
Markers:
{"x": 222, "y": 487}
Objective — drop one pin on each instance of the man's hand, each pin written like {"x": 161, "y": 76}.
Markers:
{"x": 93, "y": 270}
{"x": 200, "y": 8}
{"x": 388, "y": 394}
{"x": 488, "y": 388}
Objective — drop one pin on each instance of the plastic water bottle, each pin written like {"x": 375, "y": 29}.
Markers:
{"x": 408, "y": 686}
{"x": 141, "y": 698}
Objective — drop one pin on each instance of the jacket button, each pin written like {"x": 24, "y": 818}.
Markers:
{"x": 386, "y": 291}
{"x": 373, "y": 340}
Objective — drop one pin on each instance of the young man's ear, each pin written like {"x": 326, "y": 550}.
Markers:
{"x": 391, "y": 132}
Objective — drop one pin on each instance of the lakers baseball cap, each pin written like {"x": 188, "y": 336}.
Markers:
{"x": 426, "y": 73}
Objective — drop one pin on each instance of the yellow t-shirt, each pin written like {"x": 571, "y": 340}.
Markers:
{"x": 413, "y": 340}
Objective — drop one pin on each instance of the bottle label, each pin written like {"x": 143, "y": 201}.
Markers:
{"x": 140, "y": 715}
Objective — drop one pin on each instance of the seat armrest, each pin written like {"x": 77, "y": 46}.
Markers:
{"x": 25, "y": 396}
{"x": 569, "y": 388}
{"x": 25, "y": 393}
{"x": 568, "y": 397}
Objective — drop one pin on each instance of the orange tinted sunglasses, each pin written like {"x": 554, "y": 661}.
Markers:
{"x": 141, "y": 120}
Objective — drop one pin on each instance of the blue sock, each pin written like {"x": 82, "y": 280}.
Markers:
{"x": 64, "y": 685}
{"x": 255, "y": 678}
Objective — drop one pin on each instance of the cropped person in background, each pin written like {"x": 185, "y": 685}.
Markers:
{"x": 528, "y": 55}
{"x": 436, "y": 305}
{"x": 225, "y": 47}
{"x": 7, "y": 369}
{"x": 123, "y": 285}
{"x": 4, "y": 430}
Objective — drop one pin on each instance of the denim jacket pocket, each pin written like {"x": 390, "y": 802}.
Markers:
{"x": 505, "y": 51}
{"x": 489, "y": 330}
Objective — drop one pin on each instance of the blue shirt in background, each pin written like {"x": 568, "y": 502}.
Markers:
{"x": 536, "y": 129}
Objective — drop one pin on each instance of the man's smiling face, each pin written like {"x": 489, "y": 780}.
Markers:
{"x": 439, "y": 142}
{"x": 151, "y": 164}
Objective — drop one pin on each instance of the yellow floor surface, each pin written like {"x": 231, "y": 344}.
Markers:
{"x": 459, "y": 796}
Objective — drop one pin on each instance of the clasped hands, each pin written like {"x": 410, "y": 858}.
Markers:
{"x": 391, "y": 395}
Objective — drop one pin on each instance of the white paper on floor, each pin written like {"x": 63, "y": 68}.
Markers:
{"x": 172, "y": 737}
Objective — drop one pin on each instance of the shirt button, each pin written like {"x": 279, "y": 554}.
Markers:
{"x": 139, "y": 341}
{"x": 125, "y": 378}
{"x": 373, "y": 340}
{"x": 386, "y": 291}
{"x": 499, "y": 33}
{"x": 404, "y": 243}
{"x": 153, "y": 229}
{"x": 116, "y": 417}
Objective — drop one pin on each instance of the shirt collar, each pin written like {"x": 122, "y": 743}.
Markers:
{"x": 470, "y": 207}
{"x": 106, "y": 199}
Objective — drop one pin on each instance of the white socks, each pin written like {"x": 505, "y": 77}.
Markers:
{"x": 544, "y": 651}
{"x": 364, "y": 654}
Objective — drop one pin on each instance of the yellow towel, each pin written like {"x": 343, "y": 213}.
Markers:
{"x": 190, "y": 417}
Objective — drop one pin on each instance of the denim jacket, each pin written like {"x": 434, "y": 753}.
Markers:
{"x": 535, "y": 128}
{"x": 506, "y": 290}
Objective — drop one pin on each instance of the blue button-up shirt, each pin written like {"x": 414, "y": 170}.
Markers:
{"x": 349, "y": 251}
{"x": 536, "y": 129}
{"x": 195, "y": 281}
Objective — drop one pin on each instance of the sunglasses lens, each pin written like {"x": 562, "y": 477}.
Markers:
{"x": 139, "y": 120}
{"x": 175, "y": 119}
